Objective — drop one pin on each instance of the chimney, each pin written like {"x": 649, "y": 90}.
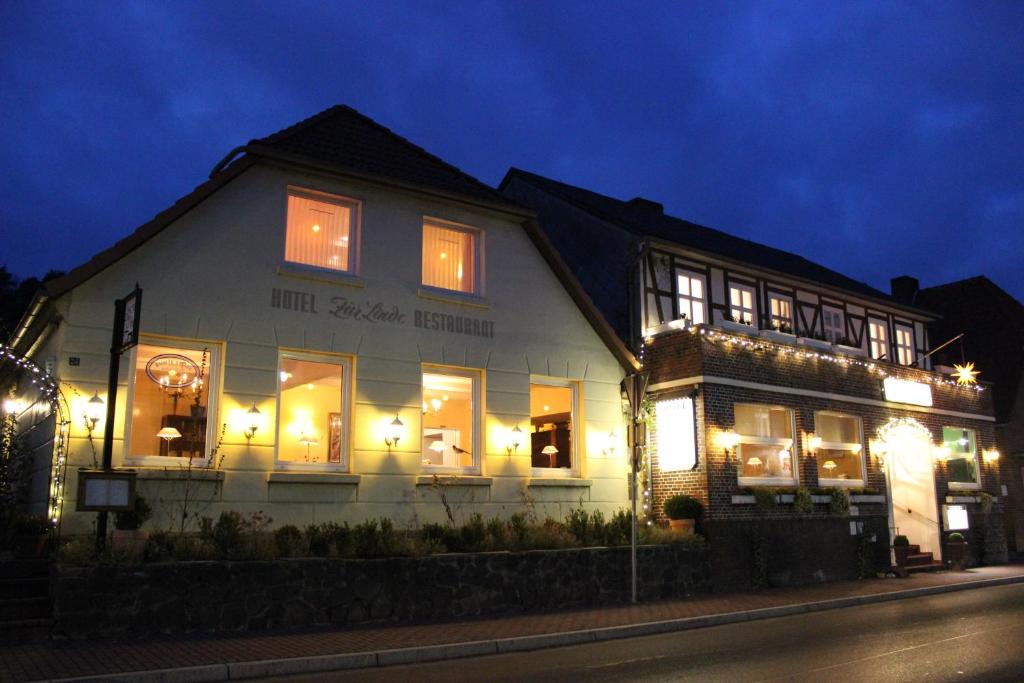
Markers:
{"x": 904, "y": 288}
{"x": 646, "y": 206}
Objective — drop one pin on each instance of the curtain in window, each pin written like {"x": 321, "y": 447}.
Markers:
{"x": 318, "y": 233}
{"x": 449, "y": 258}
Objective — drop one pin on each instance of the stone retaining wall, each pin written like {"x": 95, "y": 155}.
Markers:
{"x": 194, "y": 597}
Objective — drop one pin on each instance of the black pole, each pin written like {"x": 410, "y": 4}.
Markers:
{"x": 108, "y": 427}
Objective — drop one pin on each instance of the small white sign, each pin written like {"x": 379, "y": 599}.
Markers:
{"x": 107, "y": 492}
{"x": 677, "y": 447}
{"x": 955, "y": 517}
{"x": 905, "y": 391}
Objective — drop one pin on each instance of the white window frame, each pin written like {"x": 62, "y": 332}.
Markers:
{"x": 690, "y": 301}
{"x": 354, "y": 229}
{"x": 873, "y": 341}
{"x": 739, "y": 313}
{"x": 966, "y": 485}
{"x": 905, "y": 354}
{"x": 789, "y": 443}
{"x": 853, "y": 447}
{"x": 578, "y": 433}
{"x": 840, "y": 333}
{"x": 477, "y": 235}
{"x": 345, "y": 406}
{"x": 214, "y": 365}
{"x": 775, "y": 320}
{"x": 477, "y": 439}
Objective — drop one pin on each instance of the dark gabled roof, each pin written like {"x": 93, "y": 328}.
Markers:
{"x": 993, "y": 325}
{"x": 643, "y": 218}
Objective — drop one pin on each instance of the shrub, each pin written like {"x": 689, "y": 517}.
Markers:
{"x": 31, "y": 525}
{"x": 159, "y": 547}
{"x": 289, "y": 541}
{"x": 130, "y": 520}
{"x": 497, "y": 534}
{"x": 471, "y": 535}
{"x": 619, "y": 528}
{"x": 900, "y": 541}
{"x": 802, "y": 502}
{"x": 329, "y": 539}
{"x": 839, "y": 502}
{"x": 518, "y": 530}
{"x": 955, "y": 537}
{"x": 764, "y": 499}
{"x": 682, "y": 507}
{"x": 225, "y": 534}
{"x": 549, "y": 536}
{"x": 577, "y": 523}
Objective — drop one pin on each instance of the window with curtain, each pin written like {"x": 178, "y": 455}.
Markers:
{"x": 320, "y": 231}
{"x": 840, "y": 455}
{"x": 741, "y": 300}
{"x": 451, "y": 415}
{"x": 765, "y": 450}
{"x": 450, "y": 258}
{"x": 312, "y": 424}
{"x": 782, "y": 312}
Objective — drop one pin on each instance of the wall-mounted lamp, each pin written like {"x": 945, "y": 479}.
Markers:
{"x": 814, "y": 444}
{"x": 515, "y": 436}
{"x": 93, "y": 412}
{"x": 942, "y": 453}
{"x": 394, "y": 433}
{"x": 253, "y": 422}
{"x": 611, "y": 441}
{"x": 990, "y": 455}
{"x": 13, "y": 407}
{"x": 729, "y": 440}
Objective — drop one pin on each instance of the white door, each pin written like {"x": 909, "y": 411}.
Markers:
{"x": 912, "y": 488}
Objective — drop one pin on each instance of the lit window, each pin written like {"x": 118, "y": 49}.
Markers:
{"x": 553, "y": 441}
{"x": 451, "y": 419}
{"x": 879, "y": 339}
{"x": 170, "y": 401}
{"x": 765, "y": 450}
{"x": 691, "y": 296}
{"x": 312, "y": 411}
{"x": 835, "y": 328}
{"x": 840, "y": 454}
{"x": 450, "y": 258}
{"x": 904, "y": 345}
{"x": 741, "y": 299}
{"x": 782, "y": 312}
{"x": 321, "y": 231}
{"x": 962, "y": 463}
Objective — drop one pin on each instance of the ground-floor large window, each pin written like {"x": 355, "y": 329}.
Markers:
{"x": 838, "y": 447}
{"x": 962, "y": 463}
{"x": 765, "y": 449}
{"x": 451, "y": 419}
{"x": 313, "y": 411}
{"x": 553, "y": 426}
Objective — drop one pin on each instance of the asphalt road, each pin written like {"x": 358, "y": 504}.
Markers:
{"x": 975, "y": 635}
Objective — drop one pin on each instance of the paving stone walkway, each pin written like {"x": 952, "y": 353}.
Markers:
{"x": 48, "y": 660}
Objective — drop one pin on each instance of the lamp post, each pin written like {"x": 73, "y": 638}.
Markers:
{"x": 636, "y": 387}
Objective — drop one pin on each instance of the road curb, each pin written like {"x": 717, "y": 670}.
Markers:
{"x": 434, "y": 653}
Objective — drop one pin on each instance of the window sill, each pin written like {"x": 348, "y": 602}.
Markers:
{"x": 180, "y": 474}
{"x": 815, "y": 343}
{"x": 453, "y": 480}
{"x": 316, "y": 275}
{"x": 450, "y": 297}
{"x": 841, "y": 483}
{"x": 963, "y": 486}
{"x": 962, "y": 499}
{"x": 765, "y": 481}
{"x": 337, "y": 478}
{"x": 850, "y": 350}
{"x": 776, "y": 336}
{"x": 864, "y": 498}
{"x": 559, "y": 481}
{"x": 737, "y": 327}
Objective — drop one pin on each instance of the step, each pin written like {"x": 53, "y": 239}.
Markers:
{"x": 932, "y": 567}
{"x": 25, "y": 629}
{"x": 19, "y": 609}
{"x": 919, "y": 559}
{"x": 38, "y": 587}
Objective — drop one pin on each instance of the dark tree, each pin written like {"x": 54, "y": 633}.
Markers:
{"x": 15, "y": 297}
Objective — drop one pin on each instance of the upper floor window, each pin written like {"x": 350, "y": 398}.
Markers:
{"x": 313, "y": 408}
{"x": 781, "y": 312}
{"x": 878, "y": 336}
{"x": 172, "y": 392}
{"x": 840, "y": 452}
{"x": 833, "y": 324}
{"x": 765, "y": 450}
{"x": 554, "y": 439}
{"x": 321, "y": 230}
{"x": 741, "y": 304}
{"x": 904, "y": 345}
{"x": 962, "y": 463}
{"x": 451, "y": 419}
{"x": 451, "y": 257}
{"x": 691, "y": 296}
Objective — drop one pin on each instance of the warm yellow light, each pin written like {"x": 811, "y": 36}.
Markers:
{"x": 754, "y": 462}
{"x": 394, "y": 433}
{"x": 435, "y": 404}
{"x": 942, "y": 453}
{"x": 316, "y": 227}
{"x": 829, "y": 465}
{"x": 444, "y": 255}
{"x": 285, "y": 376}
{"x": 547, "y": 408}
{"x": 93, "y": 411}
{"x": 965, "y": 374}
{"x": 815, "y": 443}
{"x": 728, "y": 440}
{"x": 254, "y": 421}
{"x": 990, "y": 455}
{"x": 169, "y": 434}
{"x": 515, "y": 437}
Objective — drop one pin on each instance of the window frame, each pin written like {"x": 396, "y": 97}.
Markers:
{"x": 842, "y": 323}
{"x": 215, "y": 364}
{"x": 477, "y": 438}
{"x": 348, "y": 382}
{"x": 354, "y": 229}
{"x": 964, "y": 485}
{"x": 900, "y": 348}
{"x": 774, "y": 320}
{"x": 789, "y": 442}
{"x": 842, "y": 446}
{"x": 689, "y": 298}
{"x": 574, "y": 470}
{"x": 739, "y": 286}
{"x": 477, "y": 235}
{"x": 883, "y": 324}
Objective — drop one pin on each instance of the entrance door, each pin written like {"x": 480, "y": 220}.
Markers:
{"x": 912, "y": 485}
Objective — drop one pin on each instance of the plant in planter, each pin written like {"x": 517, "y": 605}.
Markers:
{"x": 955, "y": 550}
{"x": 839, "y": 502}
{"x": 901, "y": 549}
{"x": 802, "y": 502}
{"x": 765, "y": 498}
{"x": 128, "y": 533}
{"x": 682, "y": 512}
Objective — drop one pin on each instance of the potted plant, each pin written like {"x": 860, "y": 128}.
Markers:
{"x": 30, "y": 534}
{"x": 128, "y": 533}
{"x": 682, "y": 512}
{"x": 955, "y": 547}
{"x": 901, "y": 549}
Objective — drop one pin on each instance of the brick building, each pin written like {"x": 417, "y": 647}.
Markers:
{"x": 771, "y": 378}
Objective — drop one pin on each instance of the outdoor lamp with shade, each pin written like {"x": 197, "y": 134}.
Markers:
{"x": 94, "y": 410}
{"x": 254, "y": 422}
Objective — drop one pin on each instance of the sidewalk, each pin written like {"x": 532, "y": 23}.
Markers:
{"x": 238, "y": 656}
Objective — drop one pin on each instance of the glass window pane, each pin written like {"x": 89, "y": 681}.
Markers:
{"x": 697, "y": 314}
{"x": 760, "y": 460}
{"x": 447, "y": 420}
{"x": 449, "y": 257}
{"x": 684, "y": 285}
{"x": 318, "y": 233}
{"x": 311, "y": 423}
{"x": 839, "y": 464}
{"x": 962, "y": 465}
{"x": 170, "y": 393}
{"x": 696, "y": 288}
{"x": 551, "y": 426}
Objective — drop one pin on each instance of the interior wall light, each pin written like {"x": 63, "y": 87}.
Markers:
{"x": 93, "y": 412}
{"x": 394, "y": 433}
{"x": 515, "y": 436}
{"x": 253, "y": 423}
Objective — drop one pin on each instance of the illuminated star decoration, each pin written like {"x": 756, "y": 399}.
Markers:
{"x": 965, "y": 374}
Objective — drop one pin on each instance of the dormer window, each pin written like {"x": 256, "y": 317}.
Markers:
{"x": 691, "y": 296}
{"x": 451, "y": 257}
{"x": 904, "y": 345}
{"x": 878, "y": 336}
{"x": 833, "y": 324}
{"x": 321, "y": 231}
{"x": 741, "y": 304}
{"x": 781, "y": 312}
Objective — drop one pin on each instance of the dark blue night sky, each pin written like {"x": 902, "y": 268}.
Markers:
{"x": 876, "y": 138}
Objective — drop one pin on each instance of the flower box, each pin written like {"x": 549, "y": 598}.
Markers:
{"x": 820, "y": 344}
{"x": 780, "y": 337}
{"x": 743, "y": 500}
{"x": 784, "y": 498}
{"x": 850, "y": 350}
{"x": 866, "y": 498}
{"x": 821, "y": 499}
{"x": 737, "y": 327}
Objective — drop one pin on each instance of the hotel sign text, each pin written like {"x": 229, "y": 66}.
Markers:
{"x": 905, "y": 391}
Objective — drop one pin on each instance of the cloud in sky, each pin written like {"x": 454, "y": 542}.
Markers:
{"x": 875, "y": 138}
